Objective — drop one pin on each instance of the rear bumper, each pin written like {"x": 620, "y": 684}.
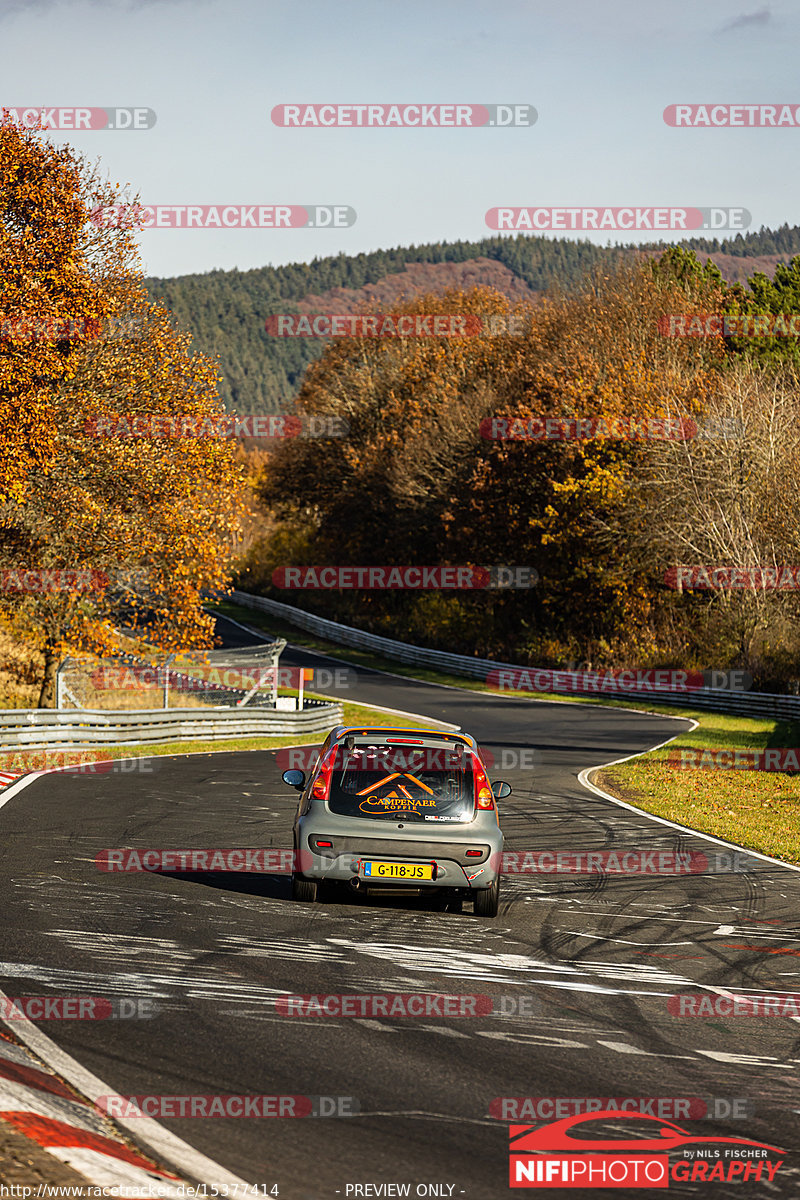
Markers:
{"x": 341, "y": 862}
{"x": 346, "y": 868}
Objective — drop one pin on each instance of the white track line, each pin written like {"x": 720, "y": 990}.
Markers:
{"x": 144, "y": 1131}
{"x": 398, "y": 712}
{"x": 32, "y": 1099}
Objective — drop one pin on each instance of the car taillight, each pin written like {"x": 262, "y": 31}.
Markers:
{"x": 324, "y": 844}
{"x": 322, "y": 784}
{"x": 473, "y": 853}
{"x": 484, "y": 797}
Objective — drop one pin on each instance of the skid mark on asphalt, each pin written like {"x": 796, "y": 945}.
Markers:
{"x": 116, "y": 947}
{"x": 151, "y": 966}
{"x": 310, "y": 952}
{"x": 515, "y": 968}
{"x": 156, "y": 986}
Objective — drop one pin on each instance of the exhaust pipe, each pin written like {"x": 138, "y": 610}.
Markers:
{"x": 355, "y": 883}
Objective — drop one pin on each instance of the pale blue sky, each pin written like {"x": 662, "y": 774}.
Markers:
{"x": 599, "y": 73}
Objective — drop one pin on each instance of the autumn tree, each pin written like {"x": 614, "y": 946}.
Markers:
{"x": 731, "y": 501}
{"x": 49, "y": 285}
{"x": 415, "y": 481}
{"x": 565, "y": 505}
{"x": 413, "y": 405}
{"x": 601, "y": 518}
{"x": 152, "y": 519}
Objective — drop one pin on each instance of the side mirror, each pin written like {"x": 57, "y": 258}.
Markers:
{"x": 295, "y": 779}
{"x": 500, "y": 789}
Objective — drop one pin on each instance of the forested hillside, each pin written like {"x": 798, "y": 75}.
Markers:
{"x": 226, "y": 310}
{"x": 465, "y": 450}
{"x": 784, "y": 241}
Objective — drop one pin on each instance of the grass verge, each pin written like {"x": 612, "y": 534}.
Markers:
{"x": 759, "y": 810}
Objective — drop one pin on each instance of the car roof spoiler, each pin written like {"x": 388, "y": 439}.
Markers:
{"x": 342, "y": 731}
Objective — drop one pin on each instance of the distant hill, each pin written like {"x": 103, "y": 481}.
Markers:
{"x": 416, "y": 279}
{"x": 782, "y": 241}
{"x": 226, "y": 310}
{"x": 736, "y": 270}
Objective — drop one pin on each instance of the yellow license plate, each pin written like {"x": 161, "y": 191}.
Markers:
{"x": 397, "y": 870}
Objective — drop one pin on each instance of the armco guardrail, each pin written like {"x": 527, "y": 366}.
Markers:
{"x": 40, "y": 728}
{"x": 752, "y": 704}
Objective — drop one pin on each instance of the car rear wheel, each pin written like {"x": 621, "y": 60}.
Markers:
{"x": 488, "y": 900}
{"x": 304, "y": 889}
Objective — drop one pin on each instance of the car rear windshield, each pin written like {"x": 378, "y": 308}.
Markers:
{"x": 415, "y": 783}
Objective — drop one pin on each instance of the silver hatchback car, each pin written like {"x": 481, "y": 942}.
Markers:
{"x": 404, "y": 810}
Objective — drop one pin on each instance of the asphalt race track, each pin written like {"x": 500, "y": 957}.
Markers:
{"x": 593, "y": 958}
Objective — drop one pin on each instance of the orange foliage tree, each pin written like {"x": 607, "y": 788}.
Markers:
{"x": 155, "y": 518}
{"x": 48, "y": 281}
{"x": 571, "y": 507}
{"x": 415, "y": 481}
